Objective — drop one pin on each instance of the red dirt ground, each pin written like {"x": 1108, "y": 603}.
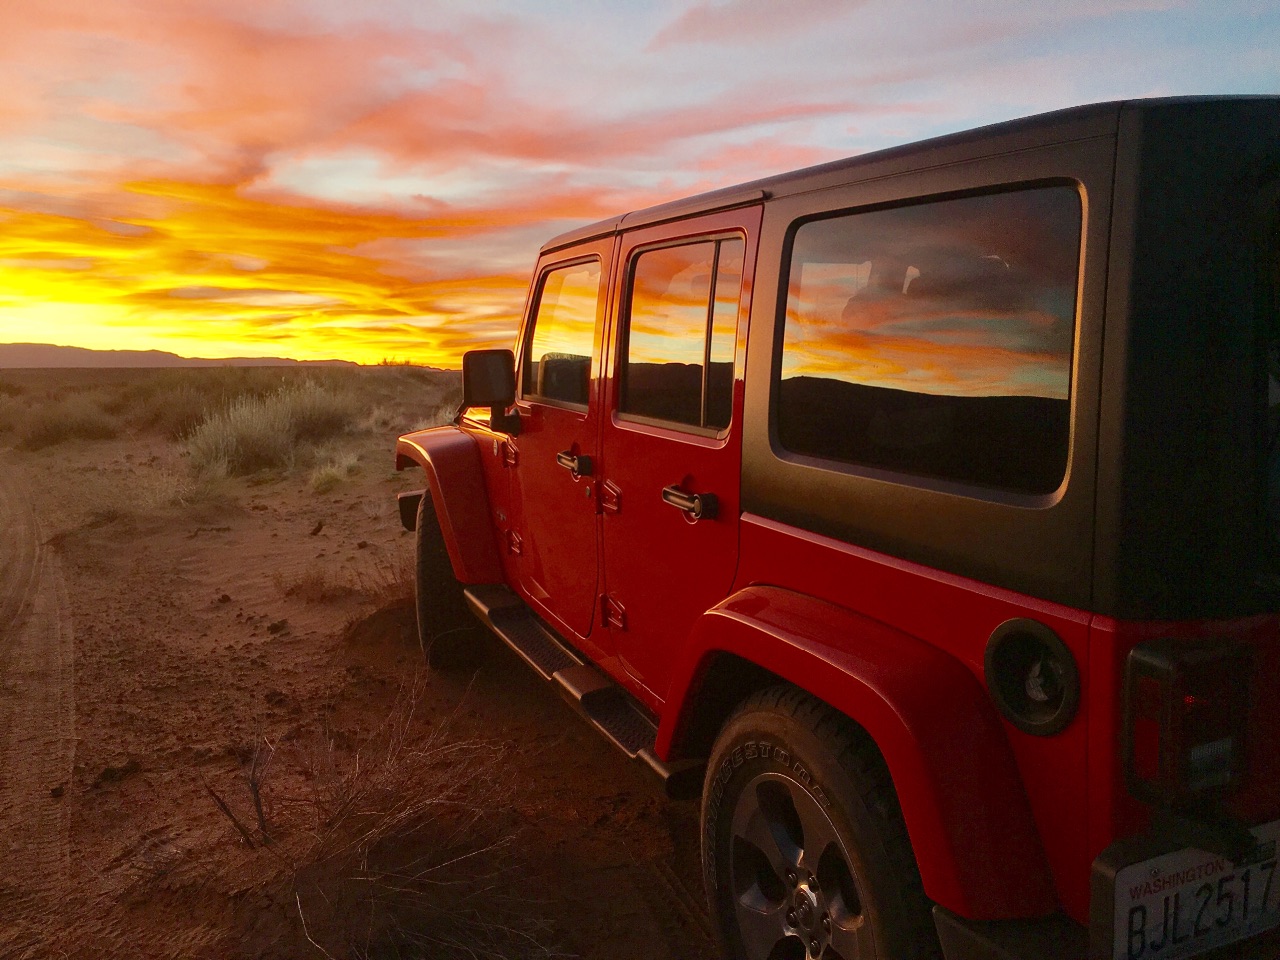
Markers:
{"x": 148, "y": 654}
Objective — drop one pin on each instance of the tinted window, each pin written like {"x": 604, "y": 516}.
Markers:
{"x": 558, "y": 361}
{"x": 724, "y": 333}
{"x": 936, "y": 339}
{"x": 682, "y": 333}
{"x": 1268, "y": 312}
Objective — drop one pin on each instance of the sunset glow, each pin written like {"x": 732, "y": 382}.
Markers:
{"x": 310, "y": 179}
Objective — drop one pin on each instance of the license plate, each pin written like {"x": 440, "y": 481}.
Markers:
{"x": 1185, "y": 903}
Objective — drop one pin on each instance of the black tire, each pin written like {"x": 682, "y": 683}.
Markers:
{"x": 449, "y": 634}
{"x": 804, "y": 852}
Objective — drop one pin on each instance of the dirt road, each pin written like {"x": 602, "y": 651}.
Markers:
{"x": 37, "y": 720}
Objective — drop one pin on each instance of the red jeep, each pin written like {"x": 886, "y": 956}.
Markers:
{"x": 922, "y": 512}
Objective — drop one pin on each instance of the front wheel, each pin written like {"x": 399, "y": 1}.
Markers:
{"x": 804, "y": 851}
{"x": 448, "y": 634}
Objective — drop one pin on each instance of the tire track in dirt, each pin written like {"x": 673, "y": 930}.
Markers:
{"x": 696, "y": 937}
{"x": 37, "y": 722}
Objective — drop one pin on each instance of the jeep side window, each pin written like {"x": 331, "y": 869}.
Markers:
{"x": 936, "y": 339}
{"x": 557, "y": 363}
{"x": 1268, "y": 312}
{"x": 677, "y": 362}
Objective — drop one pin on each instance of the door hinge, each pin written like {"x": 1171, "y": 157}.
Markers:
{"x": 610, "y": 497}
{"x": 515, "y": 544}
{"x": 510, "y": 455}
{"x": 612, "y": 614}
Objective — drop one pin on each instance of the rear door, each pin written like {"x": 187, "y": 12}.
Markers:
{"x": 554, "y": 535}
{"x": 671, "y": 442}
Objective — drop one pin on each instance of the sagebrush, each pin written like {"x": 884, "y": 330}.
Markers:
{"x": 256, "y": 433}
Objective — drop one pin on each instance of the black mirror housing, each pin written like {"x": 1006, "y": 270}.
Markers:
{"x": 489, "y": 378}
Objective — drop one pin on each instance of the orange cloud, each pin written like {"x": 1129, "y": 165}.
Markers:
{"x": 210, "y": 266}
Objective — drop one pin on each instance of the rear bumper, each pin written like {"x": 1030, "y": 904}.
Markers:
{"x": 1056, "y": 937}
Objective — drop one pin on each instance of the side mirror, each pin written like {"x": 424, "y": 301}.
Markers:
{"x": 489, "y": 380}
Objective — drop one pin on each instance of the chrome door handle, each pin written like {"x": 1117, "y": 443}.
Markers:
{"x": 579, "y": 466}
{"x": 699, "y": 506}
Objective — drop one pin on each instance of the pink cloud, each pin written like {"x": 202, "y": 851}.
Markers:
{"x": 739, "y": 20}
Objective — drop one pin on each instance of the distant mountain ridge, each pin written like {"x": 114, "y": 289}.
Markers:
{"x": 48, "y": 355}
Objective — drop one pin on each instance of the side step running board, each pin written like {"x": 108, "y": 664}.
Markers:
{"x": 600, "y": 701}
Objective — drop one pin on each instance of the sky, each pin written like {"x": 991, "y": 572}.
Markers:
{"x": 372, "y": 180}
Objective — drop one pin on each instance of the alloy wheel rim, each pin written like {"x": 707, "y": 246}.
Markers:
{"x": 794, "y": 892}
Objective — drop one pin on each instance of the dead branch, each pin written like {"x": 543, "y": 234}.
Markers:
{"x": 222, "y": 805}
{"x": 257, "y": 774}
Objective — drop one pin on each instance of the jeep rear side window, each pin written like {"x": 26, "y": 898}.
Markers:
{"x": 677, "y": 363}
{"x": 558, "y": 362}
{"x": 1268, "y": 312}
{"x": 936, "y": 339}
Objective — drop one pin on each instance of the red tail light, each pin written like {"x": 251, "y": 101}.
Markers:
{"x": 1187, "y": 706}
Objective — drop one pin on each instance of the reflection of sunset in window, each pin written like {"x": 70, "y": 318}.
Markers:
{"x": 935, "y": 339}
{"x": 969, "y": 297}
{"x": 681, "y": 335}
{"x": 724, "y": 321}
{"x": 567, "y": 312}
{"x": 671, "y": 288}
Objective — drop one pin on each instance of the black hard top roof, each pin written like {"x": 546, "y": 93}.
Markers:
{"x": 1074, "y": 123}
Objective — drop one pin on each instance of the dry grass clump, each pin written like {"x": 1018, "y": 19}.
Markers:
{"x": 248, "y": 436}
{"x": 78, "y": 416}
{"x": 384, "y": 581}
{"x": 162, "y": 487}
{"x": 318, "y": 413}
{"x": 328, "y": 475}
{"x": 174, "y": 402}
{"x": 389, "y": 580}
{"x": 316, "y": 584}
{"x": 442, "y": 413}
{"x": 262, "y": 433}
{"x": 8, "y": 389}
{"x": 12, "y": 413}
{"x": 407, "y": 852}
{"x": 395, "y": 848}
{"x": 176, "y": 410}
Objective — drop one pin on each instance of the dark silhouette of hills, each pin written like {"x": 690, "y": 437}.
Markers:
{"x": 48, "y": 355}
{"x": 1006, "y": 442}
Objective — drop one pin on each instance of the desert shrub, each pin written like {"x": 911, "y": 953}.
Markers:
{"x": 328, "y": 475}
{"x": 12, "y": 413}
{"x": 248, "y": 436}
{"x": 8, "y": 389}
{"x": 261, "y": 433}
{"x": 443, "y": 413}
{"x": 173, "y": 402}
{"x": 78, "y": 416}
{"x": 176, "y": 410}
{"x": 318, "y": 413}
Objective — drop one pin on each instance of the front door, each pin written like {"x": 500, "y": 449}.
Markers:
{"x": 554, "y": 535}
{"x": 671, "y": 444}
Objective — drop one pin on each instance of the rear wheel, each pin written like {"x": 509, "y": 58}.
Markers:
{"x": 449, "y": 635}
{"x": 804, "y": 851}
